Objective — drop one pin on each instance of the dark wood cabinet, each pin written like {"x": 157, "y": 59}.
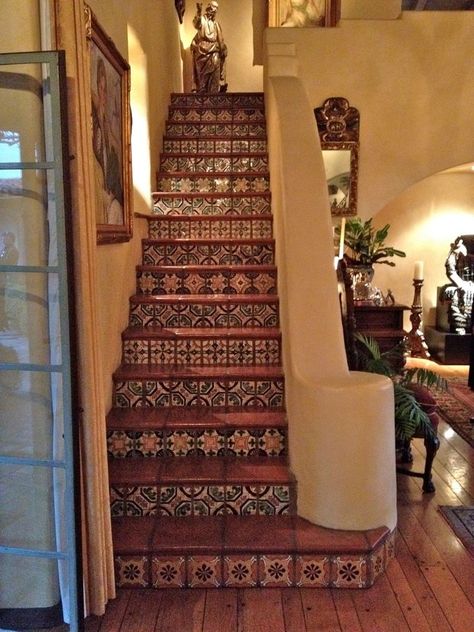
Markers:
{"x": 382, "y": 322}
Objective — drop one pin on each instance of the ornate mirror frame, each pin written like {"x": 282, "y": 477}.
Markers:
{"x": 338, "y": 127}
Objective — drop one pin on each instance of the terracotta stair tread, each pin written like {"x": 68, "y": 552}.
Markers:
{"x": 140, "y": 371}
{"x": 212, "y": 218}
{"x": 194, "y": 175}
{"x": 205, "y": 298}
{"x": 216, "y": 535}
{"x": 231, "y": 95}
{"x": 213, "y": 154}
{"x": 208, "y": 194}
{"x": 194, "y": 416}
{"x": 200, "y": 332}
{"x": 199, "y": 470}
{"x": 259, "y": 267}
{"x": 191, "y": 241}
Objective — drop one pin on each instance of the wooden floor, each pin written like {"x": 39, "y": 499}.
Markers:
{"x": 429, "y": 587}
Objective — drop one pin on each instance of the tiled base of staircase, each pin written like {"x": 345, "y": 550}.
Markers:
{"x": 201, "y": 491}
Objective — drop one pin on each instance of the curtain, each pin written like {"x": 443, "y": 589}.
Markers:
{"x": 70, "y": 33}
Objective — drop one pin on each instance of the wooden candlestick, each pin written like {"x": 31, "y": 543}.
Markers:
{"x": 416, "y": 339}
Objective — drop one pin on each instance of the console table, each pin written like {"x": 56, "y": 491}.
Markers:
{"x": 384, "y": 323}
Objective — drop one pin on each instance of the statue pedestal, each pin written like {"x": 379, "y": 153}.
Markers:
{"x": 446, "y": 347}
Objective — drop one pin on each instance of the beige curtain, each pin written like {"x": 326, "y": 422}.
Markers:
{"x": 70, "y": 31}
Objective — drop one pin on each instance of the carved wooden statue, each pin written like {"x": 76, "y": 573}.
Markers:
{"x": 209, "y": 51}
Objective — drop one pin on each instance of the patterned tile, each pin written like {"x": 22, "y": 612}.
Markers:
{"x": 141, "y": 501}
{"x": 209, "y": 500}
{"x": 150, "y": 443}
{"x": 276, "y": 571}
{"x": 168, "y": 572}
{"x": 211, "y": 442}
{"x": 204, "y": 571}
{"x": 274, "y": 500}
{"x": 132, "y": 571}
{"x": 312, "y": 570}
{"x": 350, "y": 572}
{"x": 175, "y": 500}
{"x": 180, "y": 442}
{"x": 119, "y": 443}
{"x": 242, "y": 500}
{"x": 240, "y": 571}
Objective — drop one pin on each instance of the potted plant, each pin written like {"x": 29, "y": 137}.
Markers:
{"x": 365, "y": 246}
{"x": 411, "y": 387}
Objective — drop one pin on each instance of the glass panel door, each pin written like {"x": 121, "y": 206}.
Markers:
{"x": 38, "y": 507}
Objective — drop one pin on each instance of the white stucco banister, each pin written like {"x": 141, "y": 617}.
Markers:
{"x": 341, "y": 427}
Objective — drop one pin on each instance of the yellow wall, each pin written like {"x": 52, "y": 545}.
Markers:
{"x": 146, "y": 32}
{"x": 413, "y": 82}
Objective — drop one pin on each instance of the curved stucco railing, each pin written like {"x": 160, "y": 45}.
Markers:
{"x": 341, "y": 427}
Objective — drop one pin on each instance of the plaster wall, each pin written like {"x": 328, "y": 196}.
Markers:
{"x": 424, "y": 220}
{"x": 412, "y": 80}
{"x": 146, "y": 33}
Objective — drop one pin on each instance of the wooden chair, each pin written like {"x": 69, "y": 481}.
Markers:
{"x": 422, "y": 394}
{"x": 431, "y": 441}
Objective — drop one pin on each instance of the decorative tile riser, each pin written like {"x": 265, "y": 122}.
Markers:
{"x": 217, "y": 183}
{"x": 230, "y": 99}
{"x": 252, "y": 570}
{"x": 222, "y": 130}
{"x": 192, "y": 227}
{"x": 214, "y": 146}
{"x": 203, "y": 352}
{"x": 171, "y": 254}
{"x": 214, "y": 164}
{"x": 205, "y": 315}
{"x": 201, "y": 500}
{"x": 194, "y": 392}
{"x": 198, "y": 205}
{"x": 228, "y": 442}
{"x": 182, "y": 282}
{"x": 215, "y": 115}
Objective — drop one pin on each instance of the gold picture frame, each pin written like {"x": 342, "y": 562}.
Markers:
{"x": 111, "y": 135}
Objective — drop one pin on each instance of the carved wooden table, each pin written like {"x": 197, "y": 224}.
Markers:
{"x": 384, "y": 323}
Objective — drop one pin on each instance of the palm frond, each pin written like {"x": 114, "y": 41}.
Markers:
{"x": 410, "y": 418}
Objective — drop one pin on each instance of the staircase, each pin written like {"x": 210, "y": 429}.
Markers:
{"x": 201, "y": 492}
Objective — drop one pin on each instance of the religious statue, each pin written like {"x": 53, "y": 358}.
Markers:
{"x": 459, "y": 293}
{"x": 209, "y": 51}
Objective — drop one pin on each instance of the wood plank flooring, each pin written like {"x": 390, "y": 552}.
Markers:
{"x": 429, "y": 586}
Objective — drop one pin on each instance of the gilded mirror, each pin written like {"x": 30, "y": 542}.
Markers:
{"x": 338, "y": 127}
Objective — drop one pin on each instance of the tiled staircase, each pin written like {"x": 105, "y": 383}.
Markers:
{"x": 201, "y": 492}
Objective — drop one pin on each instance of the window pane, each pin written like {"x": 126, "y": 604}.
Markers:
{"x": 28, "y": 229}
{"x": 32, "y": 507}
{"x": 32, "y": 415}
{"x": 30, "y": 331}
{"x": 25, "y": 99}
{"x": 30, "y": 596}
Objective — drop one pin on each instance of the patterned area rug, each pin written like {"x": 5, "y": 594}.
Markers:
{"x": 456, "y": 406}
{"x": 461, "y": 520}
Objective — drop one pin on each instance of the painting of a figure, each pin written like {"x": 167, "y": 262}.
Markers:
{"x": 300, "y": 13}
{"x": 109, "y": 81}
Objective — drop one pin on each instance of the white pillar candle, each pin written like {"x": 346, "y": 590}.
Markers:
{"x": 418, "y": 272}
{"x": 341, "y": 240}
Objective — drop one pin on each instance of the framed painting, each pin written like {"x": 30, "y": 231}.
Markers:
{"x": 111, "y": 135}
{"x": 304, "y": 13}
